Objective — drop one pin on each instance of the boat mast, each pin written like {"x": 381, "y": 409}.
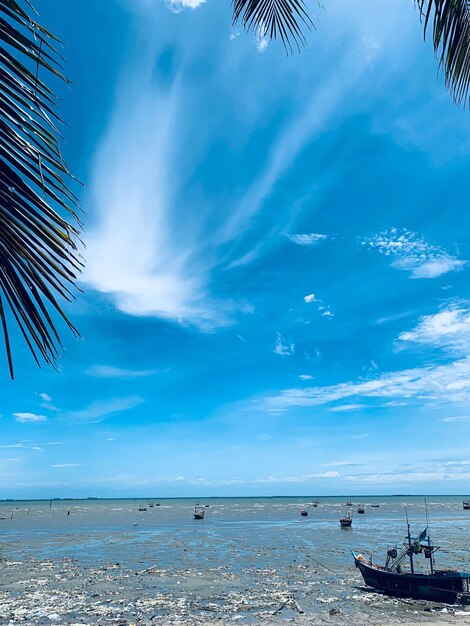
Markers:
{"x": 410, "y": 551}
{"x": 431, "y": 559}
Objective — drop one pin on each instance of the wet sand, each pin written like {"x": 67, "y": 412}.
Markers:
{"x": 247, "y": 562}
{"x": 65, "y": 592}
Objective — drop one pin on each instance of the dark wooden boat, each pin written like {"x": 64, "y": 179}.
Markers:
{"x": 346, "y": 521}
{"x": 435, "y": 585}
{"x": 375, "y": 506}
{"x": 361, "y": 509}
{"x": 198, "y": 512}
{"x": 349, "y": 503}
{"x": 466, "y": 505}
{"x": 304, "y": 512}
{"x": 142, "y": 508}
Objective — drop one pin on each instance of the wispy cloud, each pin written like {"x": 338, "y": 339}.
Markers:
{"x": 456, "y": 418}
{"x": 295, "y": 479}
{"x": 438, "y": 384}
{"x": 99, "y": 410}
{"x": 23, "y": 446}
{"x": 411, "y": 252}
{"x": 310, "y": 298}
{"x": 24, "y": 418}
{"x": 108, "y": 371}
{"x": 176, "y": 6}
{"x": 449, "y": 329}
{"x": 343, "y": 408}
{"x": 307, "y": 239}
{"x": 306, "y": 377}
{"x": 64, "y": 465}
{"x": 136, "y": 251}
{"x": 431, "y": 472}
{"x": 283, "y": 347}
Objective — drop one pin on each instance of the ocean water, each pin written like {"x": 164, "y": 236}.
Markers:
{"x": 245, "y": 559}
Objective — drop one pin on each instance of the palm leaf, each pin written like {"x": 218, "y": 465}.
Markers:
{"x": 39, "y": 227}
{"x": 451, "y": 39}
{"x": 275, "y": 18}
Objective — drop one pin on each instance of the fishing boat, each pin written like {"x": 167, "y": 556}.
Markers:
{"x": 346, "y": 521}
{"x": 304, "y": 512}
{"x": 444, "y": 585}
{"x": 466, "y": 505}
{"x": 198, "y": 512}
{"x": 361, "y": 509}
{"x": 375, "y": 506}
{"x": 142, "y": 508}
{"x": 349, "y": 503}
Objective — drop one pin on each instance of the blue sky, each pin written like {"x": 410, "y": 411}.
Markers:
{"x": 276, "y": 292}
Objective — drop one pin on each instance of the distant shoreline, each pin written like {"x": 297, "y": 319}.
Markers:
{"x": 257, "y": 497}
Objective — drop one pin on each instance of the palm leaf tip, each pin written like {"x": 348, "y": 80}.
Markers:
{"x": 39, "y": 228}
{"x": 450, "y": 21}
{"x": 284, "y": 19}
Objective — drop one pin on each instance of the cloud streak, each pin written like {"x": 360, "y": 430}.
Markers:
{"x": 410, "y": 252}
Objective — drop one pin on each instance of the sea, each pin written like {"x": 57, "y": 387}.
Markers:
{"x": 250, "y": 559}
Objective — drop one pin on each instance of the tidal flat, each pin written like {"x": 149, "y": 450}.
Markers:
{"x": 249, "y": 560}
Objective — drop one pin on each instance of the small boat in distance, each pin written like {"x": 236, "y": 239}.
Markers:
{"x": 142, "y": 508}
{"x": 435, "y": 585}
{"x": 375, "y": 506}
{"x": 315, "y": 503}
{"x": 304, "y": 512}
{"x": 346, "y": 521}
{"x": 198, "y": 512}
{"x": 466, "y": 505}
{"x": 349, "y": 503}
{"x": 360, "y": 509}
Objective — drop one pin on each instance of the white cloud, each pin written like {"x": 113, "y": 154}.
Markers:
{"x": 61, "y": 465}
{"x": 45, "y": 397}
{"x": 347, "y": 407}
{"x": 138, "y": 252}
{"x": 456, "y": 418}
{"x": 176, "y": 6}
{"x": 307, "y": 239}
{"x": 306, "y": 377}
{"x": 262, "y": 42}
{"x": 412, "y": 253}
{"x": 310, "y": 298}
{"x": 283, "y": 347}
{"x": 29, "y": 417}
{"x": 97, "y": 411}
{"x": 25, "y": 446}
{"x": 434, "y": 384}
{"x": 295, "y": 479}
{"x": 449, "y": 329}
{"x": 436, "y": 471}
{"x": 108, "y": 371}
{"x": 327, "y": 314}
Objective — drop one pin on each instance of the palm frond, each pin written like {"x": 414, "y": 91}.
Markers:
{"x": 451, "y": 40}
{"x": 275, "y": 18}
{"x": 39, "y": 258}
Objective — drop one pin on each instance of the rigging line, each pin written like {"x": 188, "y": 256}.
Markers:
{"x": 322, "y": 564}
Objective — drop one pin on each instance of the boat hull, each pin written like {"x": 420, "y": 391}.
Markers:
{"x": 445, "y": 587}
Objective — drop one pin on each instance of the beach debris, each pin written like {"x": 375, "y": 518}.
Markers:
{"x": 289, "y": 602}
{"x": 334, "y": 611}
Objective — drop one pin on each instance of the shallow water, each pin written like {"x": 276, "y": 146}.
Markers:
{"x": 242, "y": 561}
